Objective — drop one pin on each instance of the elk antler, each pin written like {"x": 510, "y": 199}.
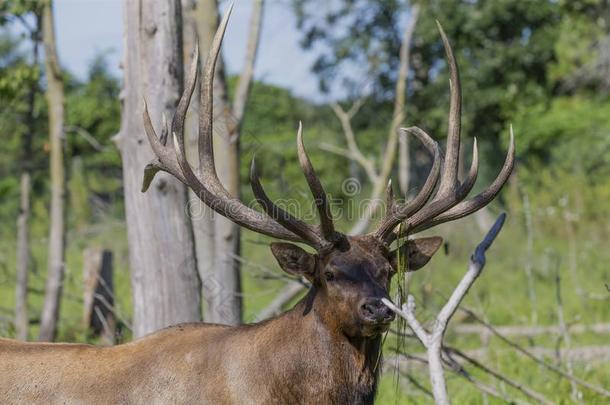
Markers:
{"x": 448, "y": 203}
{"x": 278, "y": 223}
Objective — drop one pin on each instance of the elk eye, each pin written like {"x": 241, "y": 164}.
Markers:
{"x": 329, "y": 276}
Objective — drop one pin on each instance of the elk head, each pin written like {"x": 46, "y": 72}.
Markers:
{"x": 349, "y": 274}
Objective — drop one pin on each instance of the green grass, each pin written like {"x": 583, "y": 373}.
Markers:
{"x": 500, "y": 296}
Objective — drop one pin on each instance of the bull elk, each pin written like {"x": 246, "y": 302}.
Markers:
{"x": 325, "y": 350}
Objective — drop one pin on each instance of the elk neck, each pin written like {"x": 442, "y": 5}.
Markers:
{"x": 318, "y": 358}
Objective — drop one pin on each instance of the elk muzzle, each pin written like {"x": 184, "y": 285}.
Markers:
{"x": 373, "y": 311}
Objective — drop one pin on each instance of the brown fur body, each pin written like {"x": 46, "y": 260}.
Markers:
{"x": 325, "y": 350}
{"x": 290, "y": 359}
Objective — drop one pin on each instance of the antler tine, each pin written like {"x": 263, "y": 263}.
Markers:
{"x": 397, "y": 213}
{"x": 447, "y": 204}
{"x": 231, "y": 208}
{"x": 389, "y": 197}
{"x": 473, "y": 173}
{"x": 185, "y": 99}
{"x": 166, "y": 161}
{"x": 291, "y": 223}
{"x": 479, "y": 201}
{"x": 449, "y": 192}
{"x": 449, "y": 182}
{"x": 424, "y": 194}
{"x": 319, "y": 195}
{"x": 206, "y": 110}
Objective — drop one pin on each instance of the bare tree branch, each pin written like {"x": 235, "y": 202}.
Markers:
{"x": 355, "y": 153}
{"x": 530, "y": 331}
{"x": 399, "y": 102}
{"x": 515, "y": 384}
{"x": 576, "y": 394}
{"x": 86, "y": 135}
{"x": 379, "y": 176}
{"x": 453, "y": 367}
{"x": 534, "y": 357}
{"x": 433, "y": 341}
{"x": 245, "y": 79}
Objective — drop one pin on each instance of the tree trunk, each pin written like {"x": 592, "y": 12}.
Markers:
{"x": 23, "y": 220}
{"x": 165, "y": 284}
{"x": 98, "y": 294}
{"x": 55, "y": 100}
{"x": 217, "y": 251}
{"x": 23, "y": 258}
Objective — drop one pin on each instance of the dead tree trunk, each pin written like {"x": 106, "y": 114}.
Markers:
{"x": 165, "y": 284}
{"x": 23, "y": 258}
{"x": 98, "y": 294}
{"x": 219, "y": 250}
{"x": 55, "y": 100}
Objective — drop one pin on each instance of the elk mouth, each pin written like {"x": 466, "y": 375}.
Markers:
{"x": 375, "y": 328}
{"x": 378, "y": 324}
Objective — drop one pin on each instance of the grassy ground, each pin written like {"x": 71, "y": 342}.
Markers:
{"x": 500, "y": 296}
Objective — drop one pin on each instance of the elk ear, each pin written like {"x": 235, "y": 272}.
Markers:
{"x": 294, "y": 260}
{"x": 418, "y": 252}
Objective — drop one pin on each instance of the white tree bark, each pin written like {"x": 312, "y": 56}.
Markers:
{"x": 55, "y": 100}
{"x": 218, "y": 249}
{"x": 164, "y": 279}
{"x": 23, "y": 258}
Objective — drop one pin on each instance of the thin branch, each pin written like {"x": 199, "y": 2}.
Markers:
{"x": 113, "y": 309}
{"x": 337, "y": 150}
{"x": 245, "y": 79}
{"x": 453, "y": 367}
{"x": 530, "y": 331}
{"x": 399, "y": 102}
{"x": 533, "y": 357}
{"x": 103, "y": 321}
{"x": 356, "y": 154}
{"x": 477, "y": 262}
{"x": 86, "y": 135}
{"x": 458, "y": 369}
{"x": 434, "y": 341}
{"x": 408, "y": 314}
{"x": 515, "y": 384}
{"x": 576, "y": 395}
{"x": 389, "y": 155}
{"x": 417, "y": 384}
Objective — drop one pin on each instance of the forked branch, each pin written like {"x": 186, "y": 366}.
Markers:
{"x": 433, "y": 341}
{"x": 378, "y": 174}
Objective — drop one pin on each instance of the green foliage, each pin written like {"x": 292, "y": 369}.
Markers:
{"x": 23, "y": 115}
{"x": 11, "y": 9}
{"x": 93, "y": 118}
{"x": 362, "y": 32}
{"x": 571, "y": 134}
{"x": 269, "y": 134}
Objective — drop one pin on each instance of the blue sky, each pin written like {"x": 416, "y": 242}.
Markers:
{"x": 86, "y": 28}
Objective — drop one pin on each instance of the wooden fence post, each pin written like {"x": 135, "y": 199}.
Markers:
{"x": 98, "y": 300}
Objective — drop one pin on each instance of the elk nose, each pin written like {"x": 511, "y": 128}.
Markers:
{"x": 372, "y": 309}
